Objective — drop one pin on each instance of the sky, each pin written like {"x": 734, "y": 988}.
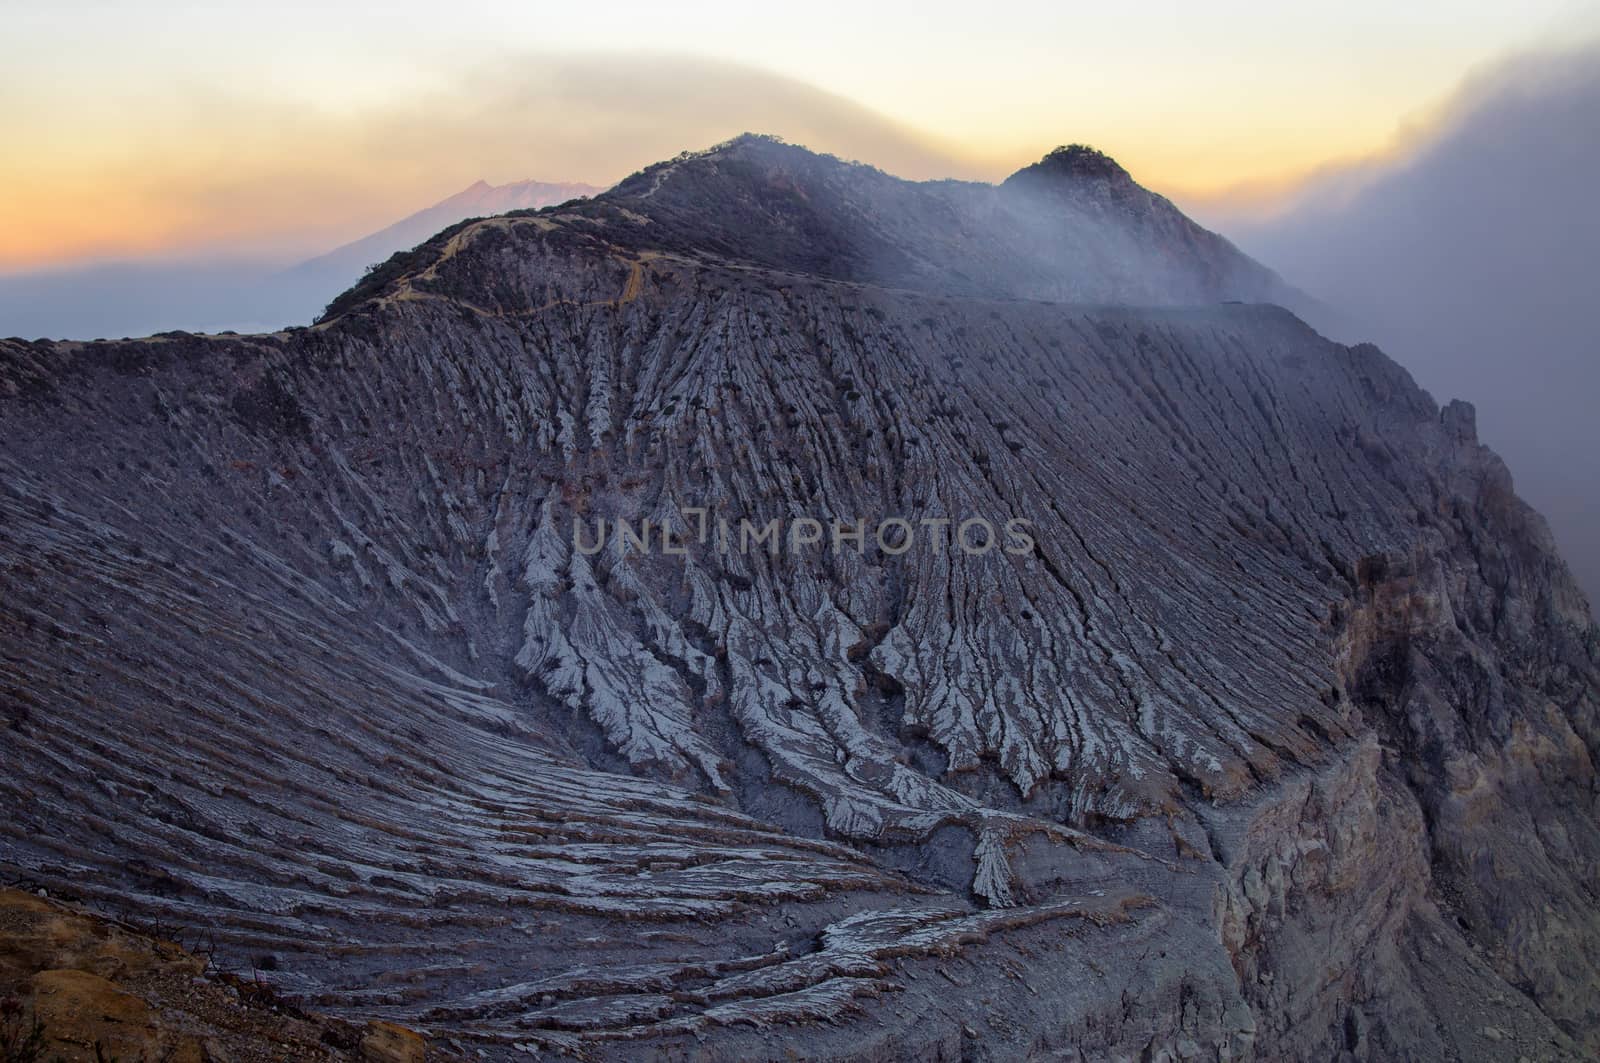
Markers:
{"x": 1474, "y": 259}
{"x": 148, "y": 130}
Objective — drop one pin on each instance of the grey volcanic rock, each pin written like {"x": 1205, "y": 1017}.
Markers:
{"x": 1277, "y": 741}
{"x": 1062, "y": 230}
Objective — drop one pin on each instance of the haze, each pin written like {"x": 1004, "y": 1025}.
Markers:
{"x": 178, "y": 128}
{"x": 1471, "y": 253}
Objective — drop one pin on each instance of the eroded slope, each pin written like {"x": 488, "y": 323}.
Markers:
{"x": 1239, "y": 756}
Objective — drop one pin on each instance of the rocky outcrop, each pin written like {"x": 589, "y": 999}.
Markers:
{"x": 74, "y": 987}
{"x": 1272, "y": 736}
{"x": 1471, "y": 658}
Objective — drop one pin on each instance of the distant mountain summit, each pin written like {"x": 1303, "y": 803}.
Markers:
{"x": 343, "y": 265}
{"x": 518, "y": 195}
{"x": 333, "y": 272}
{"x": 139, "y": 298}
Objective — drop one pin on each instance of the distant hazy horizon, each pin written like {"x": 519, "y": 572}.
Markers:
{"x": 182, "y": 129}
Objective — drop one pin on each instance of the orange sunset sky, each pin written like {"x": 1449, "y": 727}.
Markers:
{"x": 138, "y": 130}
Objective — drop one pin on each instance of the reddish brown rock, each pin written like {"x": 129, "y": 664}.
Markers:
{"x": 384, "y": 1042}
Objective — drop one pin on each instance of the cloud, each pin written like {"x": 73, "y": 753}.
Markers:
{"x": 189, "y": 225}
{"x": 1471, "y": 254}
{"x": 216, "y": 171}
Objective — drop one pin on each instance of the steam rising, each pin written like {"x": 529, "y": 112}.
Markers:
{"x": 1473, "y": 257}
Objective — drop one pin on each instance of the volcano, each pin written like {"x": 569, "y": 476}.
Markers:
{"x": 579, "y": 640}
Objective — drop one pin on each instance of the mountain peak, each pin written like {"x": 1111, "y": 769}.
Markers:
{"x": 1095, "y": 236}
{"x": 1075, "y": 161}
{"x": 749, "y": 140}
